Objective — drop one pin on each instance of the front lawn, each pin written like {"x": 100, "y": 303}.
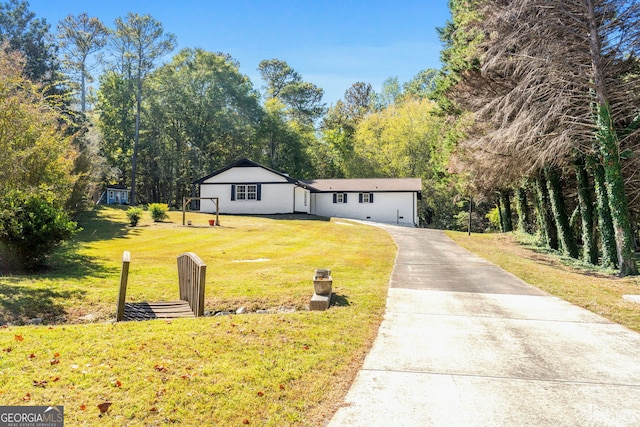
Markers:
{"x": 283, "y": 368}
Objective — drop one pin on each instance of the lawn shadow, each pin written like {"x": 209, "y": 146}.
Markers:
{"x": 96, "y": 227}
{"x": 19, "y": 304}
{"x": 340, "y": 300}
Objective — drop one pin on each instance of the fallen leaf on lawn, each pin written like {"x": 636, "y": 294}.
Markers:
{"x": 117, "y": 383}
{"x": 32, "y": 356}
{"x": 55, "y": 361}
{"x": 186, "y": 376}
{"x": 245, "y": 421}
{"x": 56, "y": 354}
{"x": 104, "y": 407}
{"x": 8, "y": 349}
{"x": 54, "y": 379}
{"x": 154, "y": 409}
{"x": 281, "y": 386}
{"x": 19, "y": 337}
{"x": 260, "y": 394}
{"x": 27, "y": 397}
{"x": 83, "y": 407}
{"x": 160, "y": 368}
{"x": 306, "y": 347}
{"x": 37, "y": 383}
{"x": 168, "y": 321}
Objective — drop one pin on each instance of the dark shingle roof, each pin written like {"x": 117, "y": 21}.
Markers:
{"x": 365, "y": 184}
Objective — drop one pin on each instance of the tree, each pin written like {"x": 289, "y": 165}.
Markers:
{"x": 391, "y": 93}
{"x": 201, "y": 113}
{"x": 79, "y": 37}
{"x": 142, "y": 41}
{"x": 116, "y": 121}
{"x": 35, "y": 166}
{"x": 422, "y": 85}
{"x": 409, "y": 140}
{"x": 549, "y": 81}
{"x": 359, "y": 101}
{"x": 35, "y": 151}
{"x": 29, "y": 36}
{"x": 303, "y": 100}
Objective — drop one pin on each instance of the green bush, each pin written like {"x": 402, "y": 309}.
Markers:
{"x": 134, "y": 215}
{"x": 494, "y": 218}
{"x": 158, "y": 211}
{"x": 32, "y": 225}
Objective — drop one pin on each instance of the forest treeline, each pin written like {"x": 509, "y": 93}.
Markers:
{"x": 533, "y": 116}
{"x": 551, "y": 88}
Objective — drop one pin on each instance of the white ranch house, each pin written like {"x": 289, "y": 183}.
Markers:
{"x": 246, "y": 187}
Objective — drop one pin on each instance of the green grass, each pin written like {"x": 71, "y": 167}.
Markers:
{"x": 265, "y": 369}
{"x": 596, "y": 290}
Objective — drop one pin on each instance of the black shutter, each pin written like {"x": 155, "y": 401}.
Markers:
{"x": 335, "y": 198}
{"x": 233, "y": 192}
{"x": 259, "y": 191}
{"x": 344, "y": 198}
{"x": 360, "y": 198}
{"x": 370, "y": 197}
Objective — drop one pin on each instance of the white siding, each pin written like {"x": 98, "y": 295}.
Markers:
{"x": 276, "y": 194}
{"x": 390, "y": 208}
{"x": 303, "y": 200}
{"x": 245, "y": 174}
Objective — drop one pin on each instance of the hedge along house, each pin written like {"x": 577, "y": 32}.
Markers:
{"x": 246, "y": 187}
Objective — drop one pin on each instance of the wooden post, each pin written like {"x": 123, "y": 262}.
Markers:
{"x": 124, "y": 277}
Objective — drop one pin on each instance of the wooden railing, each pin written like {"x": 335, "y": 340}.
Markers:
{"x": 191, "y": 282}
{"x": 191, "y": 277}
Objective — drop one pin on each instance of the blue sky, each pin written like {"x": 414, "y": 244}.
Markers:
{"x": 330, "y": 43}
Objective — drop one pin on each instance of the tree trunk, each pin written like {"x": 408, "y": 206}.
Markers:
{"x": 540, "y": 217}
{"x": 565, "y": 235}
{"x": 134, "y": 159}
{"x": 499, "y": 207}
{"x": 605, "y": 223}
{"x": 521, "y": 208}
{"x": 589, "y": 245}
{"x": 548, "y": 225}
{"x": 505, "y": 202}
{"x": 608, "y": 144}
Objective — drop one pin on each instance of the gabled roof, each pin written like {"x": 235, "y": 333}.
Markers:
{"x": 365, "y": 184}
{"x": 245, "y": 163}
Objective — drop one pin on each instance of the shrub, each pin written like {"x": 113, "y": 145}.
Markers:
{"x": 32, "y": 225}
{"x": 158, "y": 211}
{"x": 494, "y": 218}
{"x": 134, "y": 215}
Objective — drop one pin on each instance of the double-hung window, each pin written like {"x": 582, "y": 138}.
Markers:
{"x": 339, "y": 197}
{"x": 245, "y": 192}
{"x": 366, "y": 198}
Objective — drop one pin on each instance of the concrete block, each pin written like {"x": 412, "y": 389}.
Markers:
{"x": 322, "y": 286}
{"x": 320, "y": 302}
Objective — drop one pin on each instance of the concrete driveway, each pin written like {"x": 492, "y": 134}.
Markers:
{"x": 463, "y": 343}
